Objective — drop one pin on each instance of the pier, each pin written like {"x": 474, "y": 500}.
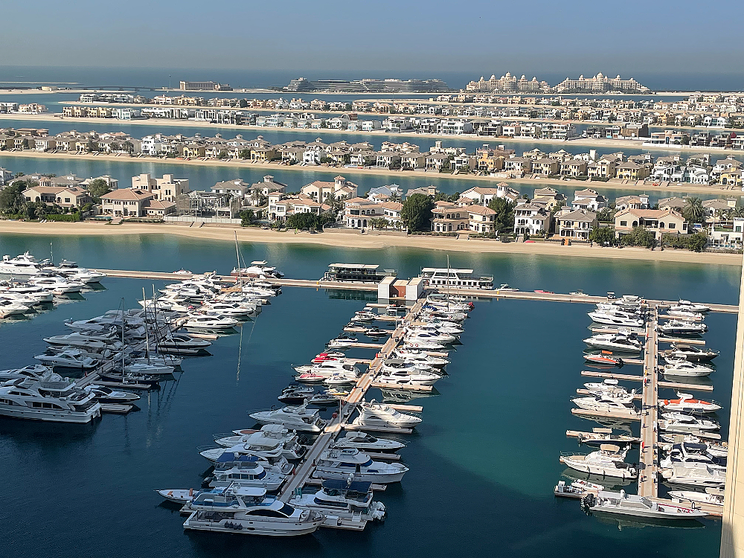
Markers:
{"x": 372, "y": 287}
{"x": 303, "y": 472}
{"x": 648, "y": 462}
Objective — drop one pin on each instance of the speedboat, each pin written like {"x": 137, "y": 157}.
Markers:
{"x": 603, "y": 359}
{"x": 366, "y": 442}
{"x": 342, "y": 502}
{"x": 69, "y": 358}
{"x": 717, "y": 449}
{"x": 377, "y": 332}
{"x": 608, "y": 461}
{"x": 681, "y": 423}
{"x": 686, "y": 403}
{"x": 621, "y": 503}
{"x": 616, "y": 342}
{"x": 340, "y": 463}
{"x": 230, "y": 310}
{"x": 258, "y": 268}
{"x": 49, "y": 398}
{"x": 577, "y": 489}
{"x": 695, "y": 474}
{"x": 269, "y": 451}
{"x": 711, "y": 496}
{"x": 679, "y": 327}
{"x": 328, "y": 367}
{"x": 37, "y": 294}
{"x": 364, "y": 316}
{"x": 419, "y": 335}
{"x": 298, "y": 418}
{"x": 378, "y": 414}
{"x": 177, "y": 495}
{"x": 691, "y": 353}
{"x": 686, "y": 368}
{"x": 248, "y": 511}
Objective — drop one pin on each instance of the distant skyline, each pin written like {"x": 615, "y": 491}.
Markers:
{"x": 481, "y": 37}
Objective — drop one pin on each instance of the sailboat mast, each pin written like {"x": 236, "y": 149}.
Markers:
{"x": 237, "y": 259}
{"x": 147, "y": 328}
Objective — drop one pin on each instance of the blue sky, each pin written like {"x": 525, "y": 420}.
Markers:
{"x": 570, "y": 37}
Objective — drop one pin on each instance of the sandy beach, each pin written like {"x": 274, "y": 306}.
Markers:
{"x": 615, "y": 184}
{"x": 584, "y": 142}
{"x": 353, "y": 239}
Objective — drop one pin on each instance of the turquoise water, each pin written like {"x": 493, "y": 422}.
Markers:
{"x": 483, "y": 463}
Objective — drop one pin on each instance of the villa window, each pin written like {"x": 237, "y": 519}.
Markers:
{"x": 672, "y": 226}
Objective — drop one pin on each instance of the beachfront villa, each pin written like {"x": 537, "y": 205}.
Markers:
{"x": 658, "y": 221}
{"x": 575, "y": 223}
{"x": 62, "y": 196}
{"x": 531, "y": 218}
{"x": 130, "y": 202}
{"x": 166, "y": 188}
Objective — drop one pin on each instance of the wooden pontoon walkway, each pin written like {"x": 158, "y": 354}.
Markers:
{"x": 372, "y": 287}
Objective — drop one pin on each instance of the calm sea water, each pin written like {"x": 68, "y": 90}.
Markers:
{"x": 483, "y": 463}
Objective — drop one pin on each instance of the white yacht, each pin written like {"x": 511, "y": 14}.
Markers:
{"x": 421, "y": 342}
{"x": 268, "y": 435}
{"x": 686, "y": 403}
{"x": 247, "y": 470}
{"x": 271, "y": 460}
{"x": 413, "y": 377}
{"x": 49, "y": 398}
{"x": 37, "y": 294}
{"x": 690, "y": 306}
{"x": 416, "y": 335}
{"x": 681, "y": 423}
{"x": 149, "y": 368}
{"x": 608, "y": 461}
{"x": 34, "y": 372}
{"x": 621, "y": 503}
{"x": 11, "y": 308}
{"x": 90, "y": 343}
{"x": 420, "y": 356}
{"x": 378, "y": 414}
{"x": 24, "y": 265}
{"x": 616, "y": 342}
{"x": 683, "y": 367}
{"x": 182, "y": 344}
{"x": 203, "y": 321}
{"x": 366, "y": 442}
{"x": 328, "y": 367}
{"x": 248, "y": 511}
{"x": 299, "y": 418}
{"x": 339, "y": 464}
{"x": 450, "y": 334}
{"x": 609, "y": 387}
{"x": 685, "y": 315}
{"x": 605, "y": 404}
{"x": 711, "y": 496}
{"x": 699, "y": 475}
{"x": 229, "y": 309}
{"x": 679, "y": 327}
{"x": 343, "y": 503}
{"x": 690, "y": 352}
{"x": 608, "y": 318}
{"x": 69, "y": 358}
{"x": 409, "y": 367}
{"x": 56, "y": 284}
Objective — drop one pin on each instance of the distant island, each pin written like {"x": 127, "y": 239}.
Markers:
{"x": 597, "y": 84}
{"x": 368, "y": 85}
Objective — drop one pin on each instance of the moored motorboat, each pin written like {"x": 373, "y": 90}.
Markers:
{"x": 621, "y": 503}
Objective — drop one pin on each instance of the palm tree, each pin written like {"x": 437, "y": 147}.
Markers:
{"x": 693, "y": 211}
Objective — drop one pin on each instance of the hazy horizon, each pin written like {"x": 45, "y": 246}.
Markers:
{"x": 334, "y": 36}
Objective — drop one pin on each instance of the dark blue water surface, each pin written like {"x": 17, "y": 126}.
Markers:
{"x": 483, "y": 463}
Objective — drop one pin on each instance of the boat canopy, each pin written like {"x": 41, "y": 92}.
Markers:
{"x": 354, "y": 486}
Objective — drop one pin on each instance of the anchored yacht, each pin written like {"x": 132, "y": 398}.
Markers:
{"x": 621, "y": 503}
{"x": 339, "y": 464}
{"x": 49, "y": 398}
{"x": 617, "y": 342}
{"x": 298, "y": 418}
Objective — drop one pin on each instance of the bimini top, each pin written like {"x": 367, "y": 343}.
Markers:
{"x": 229, "y": 456}
{"x": 355, "y": 266}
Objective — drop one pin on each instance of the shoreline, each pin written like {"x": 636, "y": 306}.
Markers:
{"x": 320, "y": 169}
{"x": 370, "y": 241}
{"x": 584, "y": 142}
